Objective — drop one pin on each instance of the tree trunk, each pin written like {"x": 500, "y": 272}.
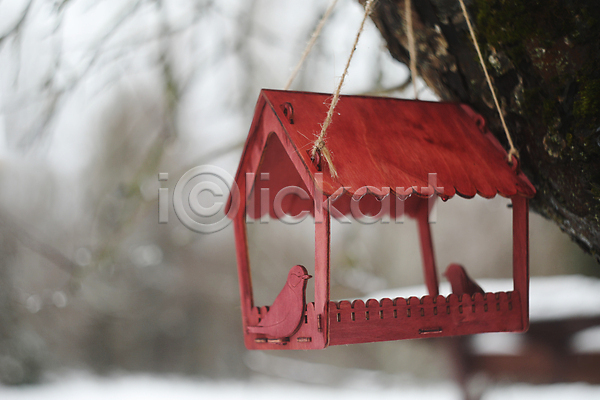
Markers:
{"x": 543, "y": 57}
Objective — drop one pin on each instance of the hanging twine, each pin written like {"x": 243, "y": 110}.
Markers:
{"x": 513, "y": 151}
{"x": 410, "y": 35}
{"x": 320, "y": 142}
{"x": 310, "y": 43}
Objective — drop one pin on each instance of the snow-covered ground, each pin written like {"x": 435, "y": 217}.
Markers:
{"x": 153, "y": 387}
{"x": 551, "y": 298}
{"x": 84, "y": 387}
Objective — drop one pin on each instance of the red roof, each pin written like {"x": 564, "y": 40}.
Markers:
{"x": 378, "y": 142}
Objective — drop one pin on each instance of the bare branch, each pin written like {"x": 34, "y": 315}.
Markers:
{"x": 46, "y": 250}
{"x": 16, "y": 28}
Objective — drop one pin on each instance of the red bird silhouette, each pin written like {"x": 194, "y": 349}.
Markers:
{"x": 285, "y": 315}
{"x": 460, "y": 281}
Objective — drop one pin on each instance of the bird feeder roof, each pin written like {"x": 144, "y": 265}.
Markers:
{"x": 379, "y": 142}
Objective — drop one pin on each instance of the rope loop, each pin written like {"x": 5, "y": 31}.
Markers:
{"x": 512, "y": 152}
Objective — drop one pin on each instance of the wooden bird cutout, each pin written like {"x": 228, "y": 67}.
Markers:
{"x": 461, "y": 282}
{"x": 285, "y": 315}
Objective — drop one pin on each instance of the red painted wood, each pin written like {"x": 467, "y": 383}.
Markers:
{"x": 243, "y": 262}
{"x": 274, "y": 161}
{"x": 378, "y": 142}
{"x": 306, "y": 338}
{"x": 424, "y": 317}
{"x": 371, "y": 148}
{"x": 460, "y": 281}
{"x": 322, "y": 250}
{"x": 285, "y": 315}
{"x": 521, "y": 253}
{"x": 383, "y": 150}
{"x": 429, "y": 269}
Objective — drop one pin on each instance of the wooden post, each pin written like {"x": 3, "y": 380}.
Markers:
{"x": 429, "y": 268}
{"x": 322, "y": 249}
{"x": 243, "y": 262}
{"x": 521, "y": 254}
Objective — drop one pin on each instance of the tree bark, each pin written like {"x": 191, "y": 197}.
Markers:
{"x": 544, "y": 60}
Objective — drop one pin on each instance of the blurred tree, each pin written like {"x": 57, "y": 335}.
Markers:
{"x": 86, "y": 273}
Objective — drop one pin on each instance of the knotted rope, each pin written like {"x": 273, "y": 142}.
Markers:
{"x": 319, "y": 145}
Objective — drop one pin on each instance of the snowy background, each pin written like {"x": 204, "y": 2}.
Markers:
{"x": 96, "y": 99}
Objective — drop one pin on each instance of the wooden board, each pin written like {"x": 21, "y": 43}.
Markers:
{"x": 428, "y": 316}
{"x": 308, "y": 337}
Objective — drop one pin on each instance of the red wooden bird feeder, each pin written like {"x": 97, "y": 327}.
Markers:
{"x": 382, "y": 149}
